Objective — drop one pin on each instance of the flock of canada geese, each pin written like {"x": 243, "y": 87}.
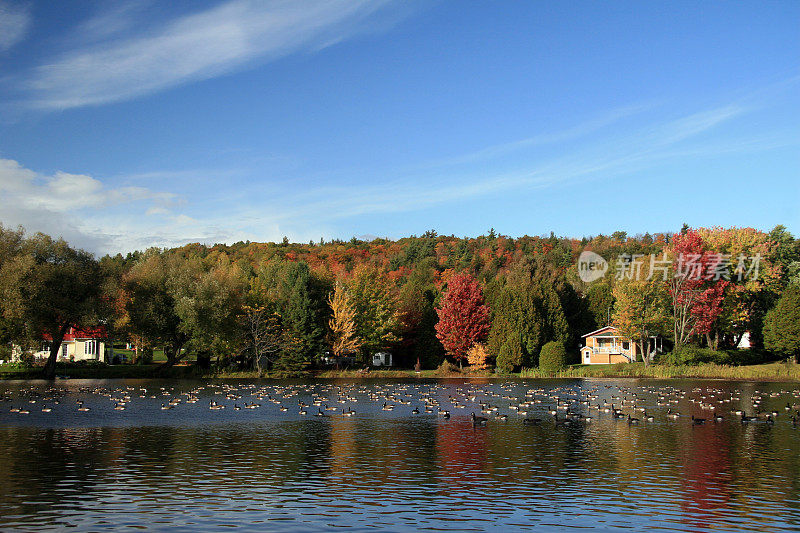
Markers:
{"x": 564, "y": 405}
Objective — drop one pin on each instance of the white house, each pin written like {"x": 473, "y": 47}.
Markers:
{"x": 78, "y": 345}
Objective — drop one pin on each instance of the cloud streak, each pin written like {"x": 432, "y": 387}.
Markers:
{"x": 220, "y": 40}
{"x": 14, "y": 24}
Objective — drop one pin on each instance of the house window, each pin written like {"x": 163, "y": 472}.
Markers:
{"x": 90, "y": 347}
{"x": 626, "y": 345}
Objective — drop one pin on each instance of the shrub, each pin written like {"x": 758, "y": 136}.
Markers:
{"x": 447, "y": 368}
{"x": 693, "y": 355}
{"x": 782, "y": 325}
{"x": 505, "y": 359}
{"x": 553, "y": 356}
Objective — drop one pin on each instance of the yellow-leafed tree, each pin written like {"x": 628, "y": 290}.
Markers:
{"x": 477, "y": 356}
{"x": 343, "y": 337}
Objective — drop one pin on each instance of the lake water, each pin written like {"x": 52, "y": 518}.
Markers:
{"x": 361, "y": 467}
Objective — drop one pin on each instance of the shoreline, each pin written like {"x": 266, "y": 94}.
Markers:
{"x": 776, "y": 371}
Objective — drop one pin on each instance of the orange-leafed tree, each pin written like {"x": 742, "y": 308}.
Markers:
{"x": 463, "y": 316}
{"x": 477, "y": 357}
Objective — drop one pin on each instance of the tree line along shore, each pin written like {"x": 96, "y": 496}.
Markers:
{"x": 443, "y": 306}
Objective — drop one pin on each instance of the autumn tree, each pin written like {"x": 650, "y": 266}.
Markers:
{"x": 640, "y": 311}
{"x": 697, "y": 285}
{"x": 377, "y": 319}
{"x": 463, "y": 316}
{"x": 343, "y": 337}
{"x": 478, "y": 357}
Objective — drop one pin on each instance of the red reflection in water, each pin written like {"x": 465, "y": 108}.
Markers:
{"x": 463, "y": 452}
{"x": 707, "y": 475}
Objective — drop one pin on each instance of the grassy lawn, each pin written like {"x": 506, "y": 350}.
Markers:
{"x": 158, "y": 355}
{"x": 780, "y": 371}
{"x": 764, "y": 372}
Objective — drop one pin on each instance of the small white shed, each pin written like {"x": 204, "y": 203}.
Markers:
{"x": 382, "y": 359}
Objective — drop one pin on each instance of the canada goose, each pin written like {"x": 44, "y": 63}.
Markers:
{"x": 415, "y": 411}
{"x": 478, "y": 420}
{"x": 319, "y": 412}
{"x": 501, "y": 417}
{"x": 531, "y": 421}
{"x": 718, "y": 418}
{"x": 671, "y": 414}
{"x": 647, "y": 418}
{"x": 444, "y": 414}
{"x": 632, "y": 420}
{"x": 46, "y": 409}
{"x": 561, "y": 422}
{"x": 698, "y": 421}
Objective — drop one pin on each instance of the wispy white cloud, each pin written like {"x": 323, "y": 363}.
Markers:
{"x": 572, "y": 133}
{"x": 15, "y": 20}
{"x": 75, "y": 206}
{"x": 231, "y": 36}
{"x": 600, "y": 157}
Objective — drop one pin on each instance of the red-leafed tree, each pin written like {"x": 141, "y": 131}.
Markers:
{"x": 697, "y": 287}
{"x": 463, "y": 317}
{"x": 707, "y": 310}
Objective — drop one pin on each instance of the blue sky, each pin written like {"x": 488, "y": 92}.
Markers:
{"x": 125, "y": 125}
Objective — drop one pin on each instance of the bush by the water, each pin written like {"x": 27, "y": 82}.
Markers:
{"x": 693, "y": 355}
{"x": 447, "y": 368}
{"x": 782, "y": 325}
{"x": 507, "y": 358}
{"x": 553, "y": 356}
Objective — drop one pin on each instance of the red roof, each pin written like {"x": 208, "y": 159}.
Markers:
{"x": 98, "y": 332}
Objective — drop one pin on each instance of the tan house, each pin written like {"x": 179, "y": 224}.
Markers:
{"x": 604, "y": 346}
